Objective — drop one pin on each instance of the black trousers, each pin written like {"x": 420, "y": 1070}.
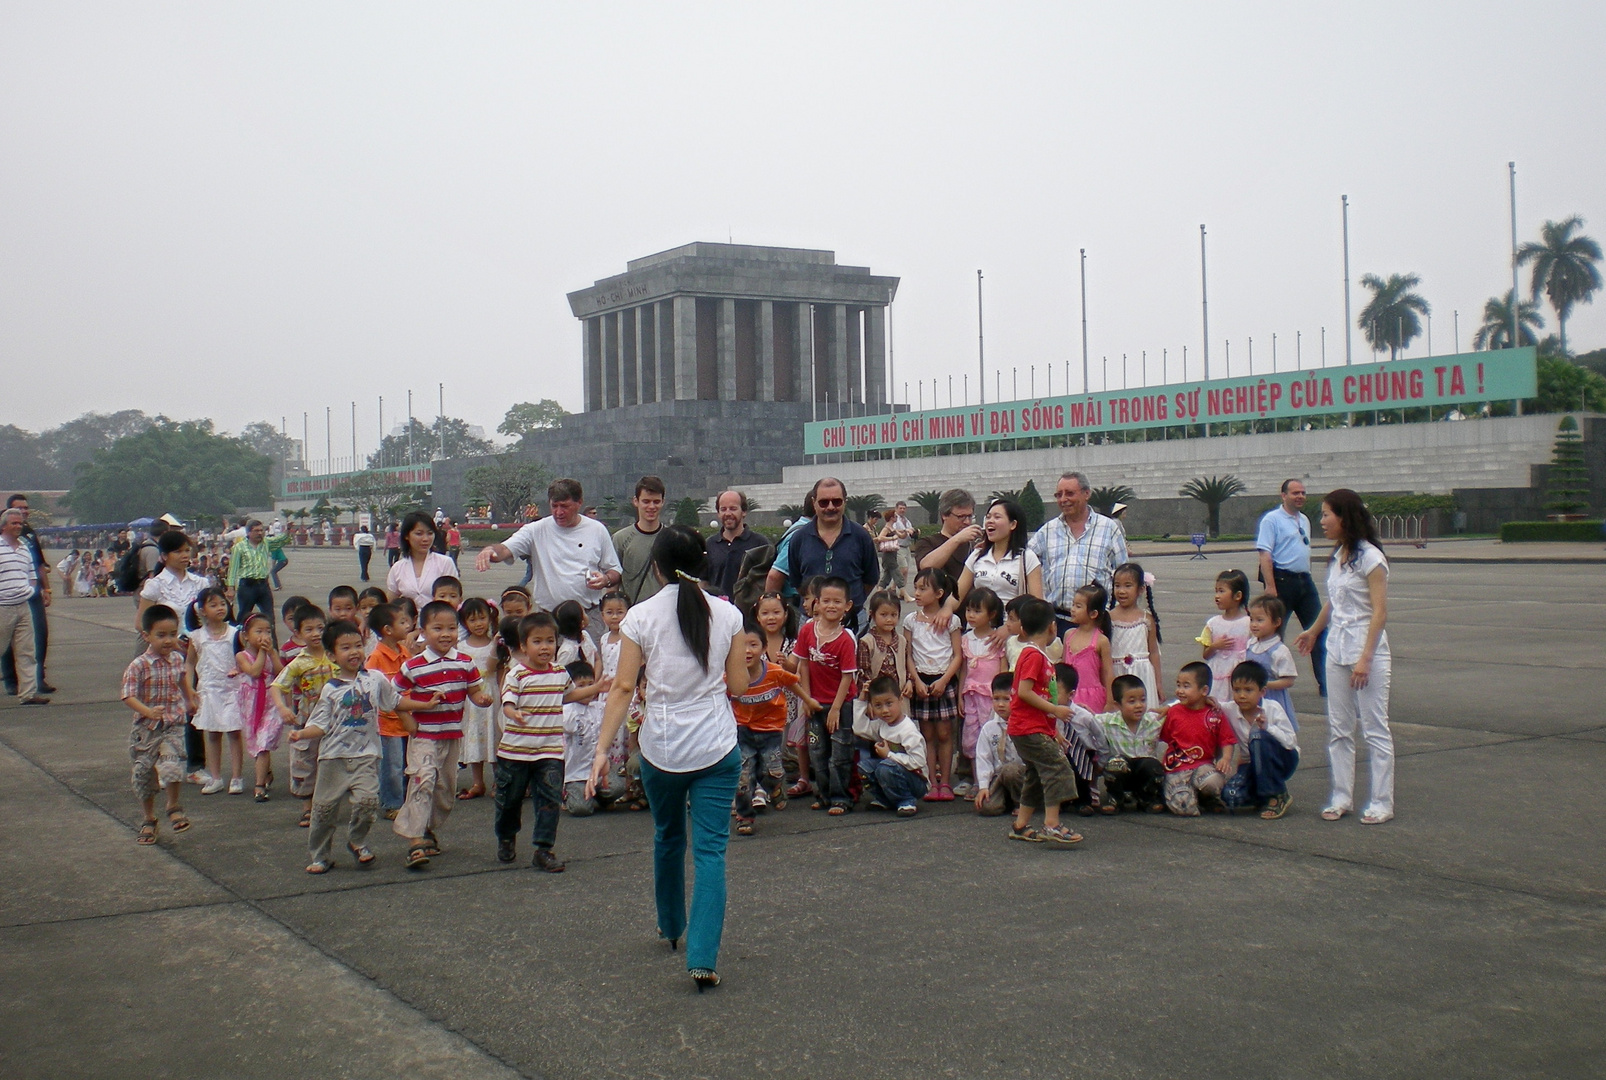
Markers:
{"x": 1141, "y": 777}
{"x": 363, "y": 555}
{"x": 1298, "y": 594}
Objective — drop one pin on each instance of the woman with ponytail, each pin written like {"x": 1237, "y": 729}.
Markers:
{"x": 689, "y": 645}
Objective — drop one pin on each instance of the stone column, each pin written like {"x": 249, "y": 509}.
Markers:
{"x": 685, "y": 348}
{"x": 875, "y": 355}
{"x": 841, "y": 376}
{"x": 610, "y": 360}
{"x": 629, "y": 369}
{"x": 727, "y": 350}
{"x": 646, "y": 355}
{"x": 591, "y": 363}
{"x": 856, "y": 390}
{"x": 666, "y": 349}
{"x": 803, "y": 322}
{"x": 766, "y": 350}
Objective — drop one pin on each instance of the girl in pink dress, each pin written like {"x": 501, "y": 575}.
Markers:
{"x": 984, "y": 658}
{"x": 1087, "y": 647}
{"x": 256, "y": 663}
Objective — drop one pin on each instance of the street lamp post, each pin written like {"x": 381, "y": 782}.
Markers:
{"x": 1348, "y": 321}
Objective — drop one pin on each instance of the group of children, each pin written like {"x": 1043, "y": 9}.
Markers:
{"x": 384, "y": 706}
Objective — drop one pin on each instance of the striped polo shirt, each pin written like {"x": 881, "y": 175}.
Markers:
{"x": 16, "y": 572}
{"x": 454, "y": 676}
{"x": 537, "y": 698}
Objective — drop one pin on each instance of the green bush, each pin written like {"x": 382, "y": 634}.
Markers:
{"x": 1522, "y": 532}
{"x": 1408, "y": 504}
{"x": 484, "y": 537}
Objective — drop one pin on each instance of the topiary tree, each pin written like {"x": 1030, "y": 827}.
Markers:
{"x": 1213, "y": 491}
{"x": 1567, "y": 479}
{"x": 688, "y": 511}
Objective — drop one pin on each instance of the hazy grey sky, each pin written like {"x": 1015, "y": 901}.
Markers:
{"x": 247, "y": 211}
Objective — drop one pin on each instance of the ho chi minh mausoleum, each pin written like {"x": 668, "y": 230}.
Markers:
{"x": 702, "y": 364}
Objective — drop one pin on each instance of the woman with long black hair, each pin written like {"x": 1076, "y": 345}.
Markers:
{"x": 690, "y": 645}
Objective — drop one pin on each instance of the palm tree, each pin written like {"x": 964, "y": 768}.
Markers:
{"x": 860, "y": 505}
{"x": 1390, "y": 318}
{"x": 928, "y": 501}
{"x": 1564, "y": 267}
{"x": 790, "y": 510}
{"x": 1103, "y": 499}
{"x": 1213, "y": 491}
{"x": 1495, "y": 333}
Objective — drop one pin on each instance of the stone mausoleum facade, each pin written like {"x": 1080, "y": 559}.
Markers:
{"x": 702, "y": 364}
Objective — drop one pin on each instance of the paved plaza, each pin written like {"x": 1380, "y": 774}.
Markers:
{"x": 1464, "y": 939}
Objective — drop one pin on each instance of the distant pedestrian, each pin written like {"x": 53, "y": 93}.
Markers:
{"x": 392, "y": 543}
{"x": 363, "y": 541}
{"x": 1283, "y": 541}
{"x": 19, "y": 568}
{"x": 250, "y": 567}
{"x": 38, "y": 603}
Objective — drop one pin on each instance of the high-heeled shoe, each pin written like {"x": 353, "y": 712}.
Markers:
{"x": 674, "y": 944}
{"x": 704, "y": 978}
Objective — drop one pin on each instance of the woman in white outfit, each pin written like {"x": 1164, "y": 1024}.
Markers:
{"x": 690, "y": 645}
{"x": 1358, "y": 662}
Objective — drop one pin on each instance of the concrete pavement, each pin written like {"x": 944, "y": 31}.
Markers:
{"x": 1463, "y": 939}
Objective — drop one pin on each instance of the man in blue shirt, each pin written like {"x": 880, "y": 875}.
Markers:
{"x": 832, "y": 546}
{"x": 1283, "y": 542}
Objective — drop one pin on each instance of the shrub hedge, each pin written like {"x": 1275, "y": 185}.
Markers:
{"x": 1521, "y": 532}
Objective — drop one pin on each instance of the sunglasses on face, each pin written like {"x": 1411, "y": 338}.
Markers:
{"x": 829, "y": 504}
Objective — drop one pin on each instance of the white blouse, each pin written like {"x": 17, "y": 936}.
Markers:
{"x": 402, "y": 581}
{"x": 1351, "y": 600}
{"x": 1006, "y": 576}
{"x": 688, "y": 724}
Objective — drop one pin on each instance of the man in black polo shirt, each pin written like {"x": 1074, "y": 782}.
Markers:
{"x": 734, "y": 540}
{"x": 832, "y": 546}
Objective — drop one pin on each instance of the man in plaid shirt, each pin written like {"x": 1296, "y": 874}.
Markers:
{"x": 155, "y": 688}
{"x": 1080, "y": 547}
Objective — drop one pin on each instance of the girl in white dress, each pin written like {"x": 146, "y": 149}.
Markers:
{"x": 1135, "y": 633}
{"x": 211, "y": 665}
{"x": 479, "y": 724}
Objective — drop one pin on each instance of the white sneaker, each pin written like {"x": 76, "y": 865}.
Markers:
{"x": 199, "y": 776}
{"x": 963, "y": 790}
{"x": 237, "y": 786}
{"x": 213, "y": 786}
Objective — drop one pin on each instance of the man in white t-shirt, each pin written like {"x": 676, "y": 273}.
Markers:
{"x": 571, "y": 555}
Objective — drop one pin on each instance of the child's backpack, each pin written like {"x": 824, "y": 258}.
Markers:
{"x": 127, "y": 577}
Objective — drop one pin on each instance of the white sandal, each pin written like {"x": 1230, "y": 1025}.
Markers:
{"x": 1333, "y": 813}
{"x": 1376, "y": 817}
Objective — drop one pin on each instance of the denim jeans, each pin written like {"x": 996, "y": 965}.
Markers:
{"x": 254, "y": 593}
{"x": 1273, "y": 764}
{"x": 515, "y": 779}
{"x": 893, "y": 785}
{"x": 704, "y": 796}
{"x": 831, "y": 757}
{"x": 392, "y": 771}
{"x": 761, "y": 764}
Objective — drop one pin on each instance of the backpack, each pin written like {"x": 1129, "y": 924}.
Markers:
{"x": 127, "y": 575}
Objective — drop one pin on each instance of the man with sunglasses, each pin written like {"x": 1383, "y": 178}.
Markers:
{"x": 1283, "y": 542}
{"x": 833, "y": 546}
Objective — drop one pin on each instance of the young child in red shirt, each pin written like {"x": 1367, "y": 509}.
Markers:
{"x": 760, "y": 725}
{"x": 1198, "y": 741}
{"x": 828, "y": 663}
{"x": 1033, "y": 730}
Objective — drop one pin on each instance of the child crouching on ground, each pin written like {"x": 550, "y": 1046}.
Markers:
{"x": 760, "y": 730}
{"x": 895, "y": 774}
{"x": 154, "y": 686}
{"x": 1032, "y": 727}
{"x": 529, "y": 757}
{"x": 582, "y": 725}
{"x": 344, "y": 725}
{"x": 1130, "y": 754}
{"x": 1199, "y": 744}
{"x": 1081, "y": 740}
{"x": 1268, "y": 747}
{"x": 999, "y": 769}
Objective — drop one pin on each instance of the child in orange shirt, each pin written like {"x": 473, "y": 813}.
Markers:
{"x": 760, "y": 727}
{"x": 393, "y": 627}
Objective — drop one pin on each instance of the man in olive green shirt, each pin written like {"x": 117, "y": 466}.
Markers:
{"x": 634, "y": 542}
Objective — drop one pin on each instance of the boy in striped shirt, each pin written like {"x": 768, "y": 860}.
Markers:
{"x": 529, "y": 756}
{"x": 450, "y": 677}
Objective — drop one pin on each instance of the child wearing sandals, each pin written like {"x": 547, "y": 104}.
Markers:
{"x": 1268, "y": 747}
{"x": 155, "y": 687}
{"x": 344, "y": 724}
{"x": 302, "y": 679}
{"x": 1048, "y": 781}
{"x": 936, "y": 658}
